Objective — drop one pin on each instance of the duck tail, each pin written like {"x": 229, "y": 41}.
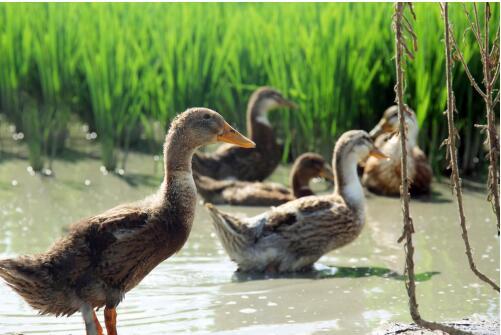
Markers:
{"x": 28, "y": 278}
{"x": 234, "y": 235}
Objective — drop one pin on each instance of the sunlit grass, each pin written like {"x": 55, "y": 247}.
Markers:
{"x": 121, "y": 68}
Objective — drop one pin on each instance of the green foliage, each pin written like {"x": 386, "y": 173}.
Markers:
{"x": 122, "y": 68}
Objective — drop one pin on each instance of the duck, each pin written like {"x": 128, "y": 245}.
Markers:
{"x": 106, "y": 255}
{"x": 293, "y": 236}
{"x": 245, "y": 193}
{"x": 383, "y": 176}
{"x": 231, "y": 162}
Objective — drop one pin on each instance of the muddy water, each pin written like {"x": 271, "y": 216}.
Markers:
{"x": 353, "y": 291}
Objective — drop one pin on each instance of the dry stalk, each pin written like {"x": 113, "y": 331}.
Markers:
{"x": 490, "y": 66}
{"x": 451, "y": 148}
{"x": 408, "y": 228}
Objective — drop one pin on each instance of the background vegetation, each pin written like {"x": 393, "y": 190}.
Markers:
{"x": 124, "y": 68}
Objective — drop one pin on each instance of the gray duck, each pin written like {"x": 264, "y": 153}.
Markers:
{"x": 232, "y": 162}
{"x": 246, "y": 193}
{"x": 105, "y": 256}
{"x": 293, "y": 236}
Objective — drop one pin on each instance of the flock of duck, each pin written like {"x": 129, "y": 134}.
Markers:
{"x": 105, "y": 256}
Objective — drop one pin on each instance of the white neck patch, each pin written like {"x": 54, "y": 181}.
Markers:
{"x": 352, "y": 188}
{"x": 263, "y": 118}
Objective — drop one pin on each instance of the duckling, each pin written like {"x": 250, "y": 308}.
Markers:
{"x": 383, "y": 176}
{"x": 231, "y": 162}
{"x": 244, "y": 193}
{"x": 293, "y": 236}
{"x": 107, "y": 255}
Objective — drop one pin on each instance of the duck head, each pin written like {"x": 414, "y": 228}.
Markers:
{"x": 311, "y": 165}
{"x": 270, "y": 98}
{"x": 389, "y": 122}
{"x": 356, "y": 146}
{"x": 306, "y": 167}
{"x": 264, "y": 100}
{"x": 200, "y": 126}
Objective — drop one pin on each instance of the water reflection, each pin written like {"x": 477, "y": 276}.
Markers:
{"x": 324, "y": 272}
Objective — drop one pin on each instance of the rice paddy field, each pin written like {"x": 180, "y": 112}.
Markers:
{"x": 88, "y": 91}
{"x": 124, "y": 70}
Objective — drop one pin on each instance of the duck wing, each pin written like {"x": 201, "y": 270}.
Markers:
{"x": 232, "y": 162}
{"x": 421, "y": 182}
{"x": 313, "y": 224}
{"x": 100, "y": 259}
{"x": 125, "y": 243}
{"x": 242, "y": 164}
{"x": 257, "y": 194}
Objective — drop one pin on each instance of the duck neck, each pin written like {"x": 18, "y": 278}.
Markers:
{"x": 300, "y": 184}
{"x": 178, "y": 188}
{"x": 258, "y": 126}
{"x": 347, "y": 183}
{"x": 412, "y": 136}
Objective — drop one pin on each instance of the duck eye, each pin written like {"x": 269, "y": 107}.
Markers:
{"x": 207, "y": 116}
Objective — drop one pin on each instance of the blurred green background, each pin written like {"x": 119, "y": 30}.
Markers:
{"x": 126, "y": 69}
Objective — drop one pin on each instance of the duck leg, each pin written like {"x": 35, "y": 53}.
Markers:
{"x": 92, "y": 326}
{"x": 110, "y": 318}
{"x": 98, "y": 325}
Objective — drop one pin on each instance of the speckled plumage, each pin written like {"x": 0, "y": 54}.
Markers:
{"x": 105, "y": 256}
{"x": 235, "y": 192}
{"x": 101, "y": 259}
{"x": 231, "y": 162}
{"x": 293, "y": 236}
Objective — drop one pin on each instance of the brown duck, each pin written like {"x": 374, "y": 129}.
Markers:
{"x": 245, "y": 193}
{"x": 106, "y": 255}
{"x": 383, "y": 176}
{"x": 231, "y": 162}
{"x": 293, "y": 236}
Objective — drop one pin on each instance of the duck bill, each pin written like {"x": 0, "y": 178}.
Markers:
{"x": 232, "y": 136}
{"x": 327, "y": 173}
{"x": 376, "y": 131}
{"x": 377, "y": 154}
{"x": 289, "y": 104}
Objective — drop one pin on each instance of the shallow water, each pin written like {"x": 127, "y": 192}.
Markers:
{"x": 353, "y": 291}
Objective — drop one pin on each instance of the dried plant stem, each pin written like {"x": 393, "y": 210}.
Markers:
{"x": 452, "y": 153}
{"x": 491, "y": 130}
{"x": 404, "y": 190}
{"x": 490, "y": 67}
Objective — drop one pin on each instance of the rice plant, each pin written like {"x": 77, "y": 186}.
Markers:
{"x": 127, "y": 69}
{"x": 37, "y": 76}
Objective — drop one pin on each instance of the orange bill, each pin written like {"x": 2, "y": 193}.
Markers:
{"x": 327, "y": 173}
{"x": 232, "y": 136}
{"x": 377, "y": 153}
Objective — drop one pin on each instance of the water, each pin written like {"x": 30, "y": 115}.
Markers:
{"x": 354, "y": 290}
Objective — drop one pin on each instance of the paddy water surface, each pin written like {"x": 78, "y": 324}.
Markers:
{"x": 354, "y": 290}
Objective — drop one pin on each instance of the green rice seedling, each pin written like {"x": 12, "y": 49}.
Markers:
{"x": 55, "y": 56}
{"x": 15, "y": 60}
{"x": 112, "y": 66}
{"x": 127, "y": 69}
{"x": 40, "y": 88}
